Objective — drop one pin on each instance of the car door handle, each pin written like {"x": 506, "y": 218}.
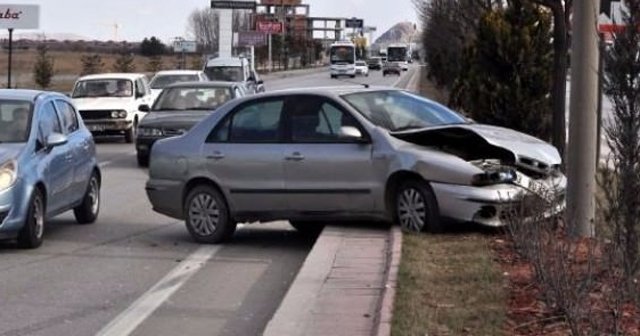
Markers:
{"x": 215, "y": 156}
{"x": 296, "y": 156}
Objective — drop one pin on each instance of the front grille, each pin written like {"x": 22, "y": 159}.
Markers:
{"x": 173, "y": 131}
{"x": 95, "y": 114}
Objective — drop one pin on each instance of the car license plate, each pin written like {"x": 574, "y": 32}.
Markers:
{"x": 95, "y": 128}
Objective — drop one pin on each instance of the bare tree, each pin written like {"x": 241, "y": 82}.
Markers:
{"x": 203, "y": 28}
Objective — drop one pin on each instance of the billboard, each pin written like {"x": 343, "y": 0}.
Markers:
{"x": 251, "y": 38}
{"x": 185, "y": 46}
{"x": 281, "y": 2}
{"x": 233, "y": 4}
{"x": 269, "y": 27}
{"x": 19, "y": 16}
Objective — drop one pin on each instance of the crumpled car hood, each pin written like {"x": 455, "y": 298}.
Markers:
{"x": 519, "y": 145}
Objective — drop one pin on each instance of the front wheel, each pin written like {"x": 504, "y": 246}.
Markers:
{"x": 208, "y": 219}
{"x": 417, "y": 208}
{"x": 87, "y": 211}
{"x": 30, "y": 236}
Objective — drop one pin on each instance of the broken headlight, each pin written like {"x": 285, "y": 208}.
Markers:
{"x": 494, "y": 177}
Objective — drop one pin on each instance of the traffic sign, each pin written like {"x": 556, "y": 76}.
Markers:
{"x": 230, "y": 4}
{"x": 185, "y": 46}
{"x": 251, "y": 38}
{"x": 354, "y": 23}
{"x": 269, "y": 27}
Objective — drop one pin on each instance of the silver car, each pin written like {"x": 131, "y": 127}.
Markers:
{"x": 315, "y": 155}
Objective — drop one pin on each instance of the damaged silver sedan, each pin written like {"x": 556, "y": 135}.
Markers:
{"x": 317, "y": 155}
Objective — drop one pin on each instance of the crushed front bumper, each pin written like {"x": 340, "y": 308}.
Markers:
{"x": 495, "y": 205}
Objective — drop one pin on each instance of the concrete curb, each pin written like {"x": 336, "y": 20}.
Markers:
{"x": 388, "y": 298}
{"x": 292, "y": 316}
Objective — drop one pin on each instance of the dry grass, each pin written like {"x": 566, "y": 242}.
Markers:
{"x": 429, "y": 90}
{"x": 449, "y": 285}
{"x": 68, "y": 65}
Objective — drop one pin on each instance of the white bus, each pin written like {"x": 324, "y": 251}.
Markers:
{"x": 398, "y": 53}
{"x": 342, "y": 56}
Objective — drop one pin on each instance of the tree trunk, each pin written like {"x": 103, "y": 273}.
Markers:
{"x": 559, "y": 89}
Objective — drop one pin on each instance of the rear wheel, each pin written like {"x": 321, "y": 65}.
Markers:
{"x": 87, "y": 211}
{"x": 30, "y": 236}
{"x": 208, "y": 219}
{"x": 307, "y": 228}
{"x": 417, "y": 208}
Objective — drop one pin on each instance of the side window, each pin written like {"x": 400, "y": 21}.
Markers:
{"x": 140, "y": 88}
{"x": 69, "y": 117}
{"x": 257, "y": 122}
{"x": 49, "y": 122}
{"x": 317, "y": 120}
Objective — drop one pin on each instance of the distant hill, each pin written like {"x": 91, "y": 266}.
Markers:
{"x": 402, "y": 32}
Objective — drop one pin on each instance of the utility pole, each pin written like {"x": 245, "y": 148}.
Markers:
{"x": 583, "y": 120}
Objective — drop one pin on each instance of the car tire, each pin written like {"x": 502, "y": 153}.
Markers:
{"x": 129, "y": 135}
{"x": 31, "y": 234}
{"x": 143, "y": 160}
{"x": 333, "y": 76}
{"x": 307, "y": 228}
{"x": 87, "y": 212}
{"x": 217, "y": 226}
{"x": 353, "y": 76}
{"x": 416, "y": 207}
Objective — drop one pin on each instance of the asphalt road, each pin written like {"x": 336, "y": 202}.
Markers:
{"x": 135, "y": 272}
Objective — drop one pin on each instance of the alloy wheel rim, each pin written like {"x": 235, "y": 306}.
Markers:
{"x": 38, "y": 217}
{"x": 412, "y": 210}
{"x": 204, "y": 214}
{"x": 94, "y": 195}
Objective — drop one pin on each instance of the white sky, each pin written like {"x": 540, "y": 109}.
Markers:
{"x": 166, "y": 19}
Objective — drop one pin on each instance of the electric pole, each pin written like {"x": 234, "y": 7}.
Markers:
{"x": 583, "y": 120}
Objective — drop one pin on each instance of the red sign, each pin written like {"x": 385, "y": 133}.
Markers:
{"x": 269, "y": 27}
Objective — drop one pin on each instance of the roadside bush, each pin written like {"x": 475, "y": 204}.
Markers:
{"x": 124, "y": 63}
{"x": 91, "y": 64}
{"x": 155, "y": 64}
{"x": 506, "y": 72}
{"x": 43, "y": 69}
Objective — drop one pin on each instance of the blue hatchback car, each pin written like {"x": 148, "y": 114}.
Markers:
{"x": 48, "y": 164}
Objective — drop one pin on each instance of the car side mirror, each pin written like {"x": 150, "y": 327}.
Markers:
{"x": 144, "y": 108}
{"x": 353, "y": 134}
{"x": 55, "y": 140}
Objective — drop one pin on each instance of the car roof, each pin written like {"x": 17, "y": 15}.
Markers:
{"x": 23, "y": 94}
{"x": 203, "y": 84}
{"x": 329, "y": 91}
{"x": 227, "y": 61}
{"x": 115, "y": 75}
{"x": 178, "y": 72}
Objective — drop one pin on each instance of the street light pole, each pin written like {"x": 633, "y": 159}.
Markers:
{"x": 581, "y": 185}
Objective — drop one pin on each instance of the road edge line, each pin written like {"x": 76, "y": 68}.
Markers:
{"x": 131, "y": 318}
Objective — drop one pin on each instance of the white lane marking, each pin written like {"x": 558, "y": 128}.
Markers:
{"x": 125, "y": 323}
{"x": 104, "y": 163}
{"x": 395, "y": 84}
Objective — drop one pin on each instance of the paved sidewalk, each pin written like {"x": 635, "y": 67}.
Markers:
{"x": 340, "y": 288}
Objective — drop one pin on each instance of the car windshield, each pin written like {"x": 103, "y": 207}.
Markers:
{"x": 192, "y": 98}
{"x": 162, "y": 81}
{"x": 401, "y": 110}
{"x": 15, "y": 120}
{"x": 103, "y": 88}
{"x": 224, "y": 73}
{"x": 361, "y": 63}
